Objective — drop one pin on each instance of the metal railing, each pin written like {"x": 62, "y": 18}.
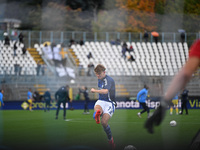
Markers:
{"x": 64, "y": 37}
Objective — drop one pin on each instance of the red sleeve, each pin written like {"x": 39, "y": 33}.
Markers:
{"x": 195, "y": 49}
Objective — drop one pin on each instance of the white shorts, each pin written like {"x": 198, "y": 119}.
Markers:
{"x": 107, "y": 107}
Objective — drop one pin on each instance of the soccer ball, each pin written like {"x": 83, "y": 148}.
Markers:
{"x": 173, "y": 123}
{"x": 130, "y": 147}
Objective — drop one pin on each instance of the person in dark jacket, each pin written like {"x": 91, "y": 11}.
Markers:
{"x": 84, "y": 90}
{"x": 47, "y": 100}
{"x": 184, "y": 99}
{"x": 62, "y": 96}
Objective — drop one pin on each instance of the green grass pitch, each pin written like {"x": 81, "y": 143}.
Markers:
{"x": 25, "y": 130}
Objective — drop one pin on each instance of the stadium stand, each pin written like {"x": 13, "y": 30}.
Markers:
{"x": 162, "y": 59}
{"x": 155, "y": 64}
{"x": 25, "y": 62}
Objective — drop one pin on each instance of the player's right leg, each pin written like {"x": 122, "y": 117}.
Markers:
{"x": 97, "y": 113}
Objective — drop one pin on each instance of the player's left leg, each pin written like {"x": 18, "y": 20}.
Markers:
{"x": 106, "y": 127}
{"x": 58, "y": 108}
{"x": 171, "y": 107}
{"x": 30, "y": 104}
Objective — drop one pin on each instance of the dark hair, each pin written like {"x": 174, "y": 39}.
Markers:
{"x": 146, "y": 87}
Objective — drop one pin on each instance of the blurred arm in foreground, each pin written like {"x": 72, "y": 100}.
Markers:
{"x": 178, "y": 83}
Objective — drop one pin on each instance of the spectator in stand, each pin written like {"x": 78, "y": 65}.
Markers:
{"x": 146, "y": 36}
{"x": 38, "y": 68}
{"x": 43, "y": 67}
{"x": 57, "y": 56}
{"x": 131, "y": 58}
{"x": 112, "y": 42}
{"x": 130, "y": 48}
{"x": 124, "y": 49}
{"x": 90, "y": 69}
{"x": 118, "y": 42}
{"x": 71, "y": 42}
{"x": 89, "y": 55}
{"x": 21, "y": 38}
{"x": 182, "y": 37}
{"x": 24, "y": 50}
{"x": 15, "y": 48}
{"x": 81, "y": 42}
{"x": 16, "y": 69}
{"x": 6, "y": 39}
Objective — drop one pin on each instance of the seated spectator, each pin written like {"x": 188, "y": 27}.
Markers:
{"x": 131, "y": 58}
{"x": 89, "y": 55}
{"x": 118, "y": 42}
{"x": 130, "y": 48}
{"x": 112, "y": 42}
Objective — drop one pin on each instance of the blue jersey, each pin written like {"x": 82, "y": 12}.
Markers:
{"x": 107, "y": 83}
{"x": 175, "y": 97}
{"x": 142, "y": 95}
{"x": 29, "y": 95}
{"x": 1, "y": 97}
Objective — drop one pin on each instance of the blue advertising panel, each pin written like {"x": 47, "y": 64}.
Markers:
{"x": 193, "y": 103}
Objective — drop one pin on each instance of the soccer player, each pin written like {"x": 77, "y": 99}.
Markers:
{"x": 105, "y": 105}
{"x": 1, "y": 98}
{"x": 174, "y": 104}
{"x": 84, "y": 90}
{"x": 30, "y": 99}
{"x": 178, "y": 83}
{"x": 184, "y": 99}
{"x": 142, "y": 97}
{"x": 47, "y": 99}
{"x": 62, "y": 96}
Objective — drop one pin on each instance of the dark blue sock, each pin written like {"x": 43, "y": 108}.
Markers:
{"x": 108, "y": 132}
